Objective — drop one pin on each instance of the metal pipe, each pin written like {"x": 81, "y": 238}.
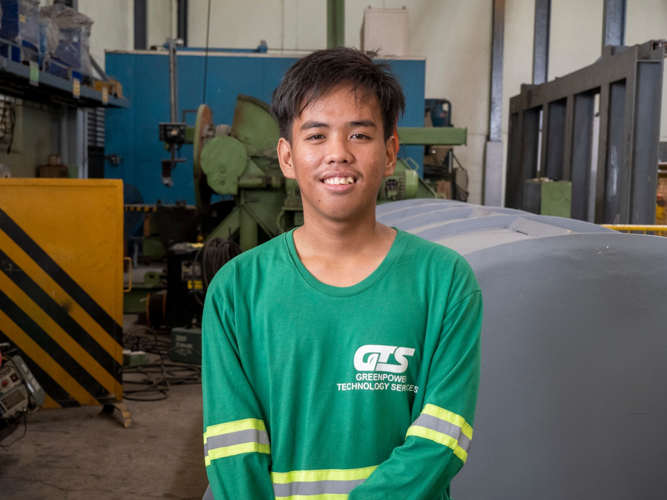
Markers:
{"x": 173, "y": 80}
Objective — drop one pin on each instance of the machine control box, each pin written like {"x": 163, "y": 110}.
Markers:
{"x": 20, "y": 393}
{"x": 186, "y": 345}
{"x": 172, "y": 133}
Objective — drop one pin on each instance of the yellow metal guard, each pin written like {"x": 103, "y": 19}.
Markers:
{"x": 630, "y": 228}
{"x": 61, "y": 284}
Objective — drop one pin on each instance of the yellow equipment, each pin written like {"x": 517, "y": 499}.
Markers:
{"x": 61, "y": 284}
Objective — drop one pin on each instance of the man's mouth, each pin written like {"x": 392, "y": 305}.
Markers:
{"x": 339, "y": 180}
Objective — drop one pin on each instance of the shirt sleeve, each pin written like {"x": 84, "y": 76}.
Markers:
{"x": 438, "y": 441}
{"x": 236, "y": 441}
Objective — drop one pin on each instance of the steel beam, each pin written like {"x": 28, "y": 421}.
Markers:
{"x": 582, "y": 144}
{"x": 140, "y": 25}
{"x": 646, "y": 138}
{"x": 553, "y": 140}
{"x": 493, "y": 158}
{"x": 628, "y": 81}
{"x": 497, "y": 44}
{"x": 182, "y": 21}
{"x": 335, "y": 23}
{"x": 613, "y": 22}
{"x": 513, "y": 177}
{"x": 436, "y": 136}
{"x": 541, "y": 41}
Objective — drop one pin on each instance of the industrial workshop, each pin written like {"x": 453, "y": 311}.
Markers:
{"x": 147, "y": 146}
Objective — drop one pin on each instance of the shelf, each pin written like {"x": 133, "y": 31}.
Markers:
{"x": 51, "y": 89}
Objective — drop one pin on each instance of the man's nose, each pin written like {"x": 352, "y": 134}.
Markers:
{"x": 339, "y": 149}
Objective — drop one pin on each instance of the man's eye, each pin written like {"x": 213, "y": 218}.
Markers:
{"x": 315, "y": 137}
{"x": 359, "y": 136}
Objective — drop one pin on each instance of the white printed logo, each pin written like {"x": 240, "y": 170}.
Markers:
{"x": 373, "y": 358}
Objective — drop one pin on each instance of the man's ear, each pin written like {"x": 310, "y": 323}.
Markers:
{"x": 392, "y": 155}
{"x": 285, "y": 158}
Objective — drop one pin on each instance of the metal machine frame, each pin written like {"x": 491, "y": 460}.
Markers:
{"x": 628, "y": 81}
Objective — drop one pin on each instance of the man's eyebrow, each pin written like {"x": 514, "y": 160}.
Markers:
{"x": 314, "y": 124}
{"x": 364, "y": 123}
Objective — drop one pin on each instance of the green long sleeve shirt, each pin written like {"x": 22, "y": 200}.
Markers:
{"x": 315, "y": 392}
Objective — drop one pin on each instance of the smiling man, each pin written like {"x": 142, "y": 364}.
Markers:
{"x": 341, "y": 359}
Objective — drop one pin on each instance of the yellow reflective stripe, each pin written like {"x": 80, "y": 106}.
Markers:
{"x": 238, "y": 425}
{"x": 439, "y": 437}
{"x": 299, "y": 476}
{"x": 326, "y": 496}
{"x": 452, "y": 418}
{"x": 237, "y": 449}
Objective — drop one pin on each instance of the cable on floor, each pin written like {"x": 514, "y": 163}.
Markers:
{"x": 159, "y": 376}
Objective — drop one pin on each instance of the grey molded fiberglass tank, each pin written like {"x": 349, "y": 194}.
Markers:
{"x": 573, "y": 395}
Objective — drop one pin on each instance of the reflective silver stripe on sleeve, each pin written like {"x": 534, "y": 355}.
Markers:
{"x": 436, "y": 424}
{"x": 239, "y": 437}
{"x": 315, "y": 488}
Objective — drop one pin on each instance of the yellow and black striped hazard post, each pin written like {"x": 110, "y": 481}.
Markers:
{"x": 61, "y": 284}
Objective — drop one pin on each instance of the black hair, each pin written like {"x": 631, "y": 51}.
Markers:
{"x": 317, "y": 74}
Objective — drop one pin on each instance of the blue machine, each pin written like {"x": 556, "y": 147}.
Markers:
{"x": 132, "y": 134}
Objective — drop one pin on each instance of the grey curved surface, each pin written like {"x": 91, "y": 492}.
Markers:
{"x": 574, "y": 353}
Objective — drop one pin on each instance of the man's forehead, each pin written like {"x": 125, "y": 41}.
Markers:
{"x": 363, "y": 100}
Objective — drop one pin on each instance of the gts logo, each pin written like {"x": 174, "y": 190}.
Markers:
{"x": 373, "y": 358}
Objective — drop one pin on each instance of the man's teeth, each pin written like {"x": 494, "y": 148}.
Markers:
{"x": 339, "y": 180}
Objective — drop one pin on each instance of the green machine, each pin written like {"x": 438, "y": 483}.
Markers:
{"x": 242, "y": 161}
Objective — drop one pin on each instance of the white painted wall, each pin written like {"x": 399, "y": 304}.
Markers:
{"x": 113, "y": 27}
{"x": 161, "y": 21}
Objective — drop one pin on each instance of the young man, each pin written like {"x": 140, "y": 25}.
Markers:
{"x": 341, "y": 358}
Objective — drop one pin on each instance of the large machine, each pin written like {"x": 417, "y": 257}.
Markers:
{"x": 574, "y": 352}
{"x": 239, "y": 164}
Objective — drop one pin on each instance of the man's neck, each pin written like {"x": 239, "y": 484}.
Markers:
{"x": 342, "y": 253}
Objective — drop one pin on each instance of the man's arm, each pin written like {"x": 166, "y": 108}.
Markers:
{"x": 236, "y": 444}
{"x": 438, "y": 441}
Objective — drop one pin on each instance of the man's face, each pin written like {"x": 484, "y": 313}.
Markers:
{"x": 338, "y": 155}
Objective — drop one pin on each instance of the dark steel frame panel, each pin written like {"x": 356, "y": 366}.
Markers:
{"x": 629, "y": 82}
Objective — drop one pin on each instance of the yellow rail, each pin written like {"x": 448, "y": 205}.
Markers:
{"x": 630, "y": 228}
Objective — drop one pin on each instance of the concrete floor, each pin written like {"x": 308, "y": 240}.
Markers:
{"x": 83, "y": 454}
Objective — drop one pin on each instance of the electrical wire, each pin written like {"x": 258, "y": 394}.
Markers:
{"x": 154, "y": 380}
{"x": 24, "y": 416}
{"x": 215, "y": 253}
{"x": 208, "y": 28}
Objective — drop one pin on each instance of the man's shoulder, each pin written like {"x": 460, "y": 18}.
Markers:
{"x": 250, "y": 264}
{"x": 442, "y": 264}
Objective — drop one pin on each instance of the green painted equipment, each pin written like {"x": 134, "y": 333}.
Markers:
{"x": 241, "y": 161}
{"x": 547, "y": 197}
